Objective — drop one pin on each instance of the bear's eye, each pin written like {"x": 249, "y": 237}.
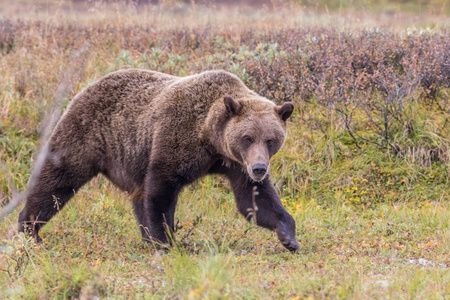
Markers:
{"x": 269, "y": 143}
{"x": 247, "y": 140}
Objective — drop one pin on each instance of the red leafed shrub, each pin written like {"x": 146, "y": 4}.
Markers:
{"x": 376, "y": 77}
{"x": 371, "y": 84}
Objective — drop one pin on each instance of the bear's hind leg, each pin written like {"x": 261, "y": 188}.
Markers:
{"x": 160, "y": 202}
{"x": 140, "y": 213}
{"x": 55, "y": 185}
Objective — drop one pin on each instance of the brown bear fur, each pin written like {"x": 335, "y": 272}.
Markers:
{"x": 151, "y": 134}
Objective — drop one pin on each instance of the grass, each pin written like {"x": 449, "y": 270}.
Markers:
{"x": 372, "y": 223}
{"x": 93, "y": 247}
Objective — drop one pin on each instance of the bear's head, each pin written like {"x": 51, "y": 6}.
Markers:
{"x": 255, "y": 131}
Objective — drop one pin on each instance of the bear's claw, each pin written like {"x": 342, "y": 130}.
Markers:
{"x": 292, "y": 246}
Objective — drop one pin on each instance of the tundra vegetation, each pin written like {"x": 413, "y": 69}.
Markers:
{"x": 365, "y": 170}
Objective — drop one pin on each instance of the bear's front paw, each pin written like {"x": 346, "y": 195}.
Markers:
{"x": 286, "y": 235}
{"x": 291, "y": 245}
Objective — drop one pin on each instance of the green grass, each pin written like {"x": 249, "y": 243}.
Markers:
{"x": 373, "y": 224}
{"x": 93, "y": 247}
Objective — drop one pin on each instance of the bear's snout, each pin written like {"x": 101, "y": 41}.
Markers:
{"x": 259, "y": 169}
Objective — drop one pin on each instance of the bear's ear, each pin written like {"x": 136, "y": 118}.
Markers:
{"x": 285, "y": 110}
{"x": 233, "y": 107}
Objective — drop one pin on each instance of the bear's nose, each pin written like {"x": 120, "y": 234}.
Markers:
{"x": 259, "y": 169}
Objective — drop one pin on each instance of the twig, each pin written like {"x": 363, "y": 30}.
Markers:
{"x": 48, "y": 124}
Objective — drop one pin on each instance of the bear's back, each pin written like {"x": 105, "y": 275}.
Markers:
{"x": 120, "y": 91}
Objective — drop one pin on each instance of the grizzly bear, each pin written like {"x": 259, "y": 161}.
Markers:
{"x": 151, "y": 134}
